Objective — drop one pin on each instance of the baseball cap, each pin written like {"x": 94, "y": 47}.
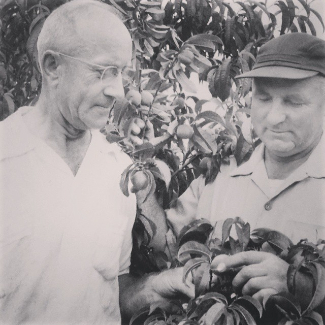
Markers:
{"x": 290, "y": 56}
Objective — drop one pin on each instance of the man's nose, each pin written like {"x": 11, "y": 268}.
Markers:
{"x": 276, "y": 114}
{"x": 114, "y": 88}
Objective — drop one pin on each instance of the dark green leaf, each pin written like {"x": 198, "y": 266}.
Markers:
{"x": 287, "y": 302}
{"x": 198, "y": 230}
{"x": 246, "y": 317}
{"x": 285, "y": 16}
{"x": 193, "y": 248}
{"x": 301, "y": 22}
{"x": 192, "y": 264}
{"x": 319, "y": 294}
{"x": 201, "y": 279}
{"x": 252, "y": 305}
{"x": 292, "y": 10}
{"x": 214, "y": 313}
{"x": 306, "y": 6}
{"x": 140, "y": 314}
{"x": 226, "y": 228}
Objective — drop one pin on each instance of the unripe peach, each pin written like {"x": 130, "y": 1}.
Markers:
{"x": 204, "y": 163}
{"x": 134, "y": 97}
{"x": 139, "y": 181}
{"x": 186, "y": 57}
{"x": 146, "y": 98}
{"x": 184, "y": 131}
{"x": 179, "y": 102}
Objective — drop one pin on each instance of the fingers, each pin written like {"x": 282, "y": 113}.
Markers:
{"x": 249, "y": 279}
{"x": 136, "y": 129}
{"x": 170, "y": 284}
{"x": 222, "y": 263}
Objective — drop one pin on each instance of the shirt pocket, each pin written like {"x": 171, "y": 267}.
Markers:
{"x": 296, "y": 231}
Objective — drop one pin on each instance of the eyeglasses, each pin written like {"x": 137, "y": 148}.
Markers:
{"x": 109, "y": 73}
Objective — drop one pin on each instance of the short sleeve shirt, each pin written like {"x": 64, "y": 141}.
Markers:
{"x": 64, "y": 239}
{"x": 296, "y": 207}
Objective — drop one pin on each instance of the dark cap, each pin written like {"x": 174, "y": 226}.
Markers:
{"x": 290, "y": 56}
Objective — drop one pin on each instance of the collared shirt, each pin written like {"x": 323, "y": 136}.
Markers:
{"x": 296, "y": 207}
{"x": 64, "y": 239}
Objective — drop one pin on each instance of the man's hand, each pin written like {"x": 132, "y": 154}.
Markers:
{"x": 140, "y": 131}
{"x": 261, "y": 274}
{"x": 136, "y": 293}
{"x": 169, "y": 284}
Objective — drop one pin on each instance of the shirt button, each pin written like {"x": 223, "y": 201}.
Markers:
{"x": 267, "y": 206}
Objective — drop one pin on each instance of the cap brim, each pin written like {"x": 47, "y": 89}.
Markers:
{"x": 278, "y": 72}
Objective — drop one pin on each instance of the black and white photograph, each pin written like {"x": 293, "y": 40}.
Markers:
{"x": 162, "y": 162}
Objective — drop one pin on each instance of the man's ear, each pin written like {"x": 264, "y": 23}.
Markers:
{"x": 50, "y": 64}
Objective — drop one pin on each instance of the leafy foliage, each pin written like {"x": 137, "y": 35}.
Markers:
{"x": 216, "y": 301}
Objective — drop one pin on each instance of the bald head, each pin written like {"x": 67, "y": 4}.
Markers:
{"x": 79, "y": 26}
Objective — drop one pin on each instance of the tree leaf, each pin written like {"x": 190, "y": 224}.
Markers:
{"x": 314, "y": 317}
{"x": 192, "y": 264}
{"x": 278, "y": 241}
{"x": 140, "y": 314}
{"x": 226, "y": 228}
{"x": 243, "y": 234}
{"x": 222, "y": 83}
{"x": 186, "y": 84}
{"x": 319, "y": 294}
{"x": 193, "y": 248}
{"x": 210, "y": 116}
{"x": 311, "y": 27}
{"x": 218, "y": 297}
{"x": 286, "y": 302}
{"x": 244, "y": 314}
{"x": 10, "y": 103}
{"x": 252, "y": 305}
{"x": 259, "y": 235}
{"x": 260, "y": 5}
{"x": 306, "y": 6}
{"x": 301, "y": 22}
{"x": 285, "y": 16}
{"x": 292, "y": 10}
{"x": 201, "y": 278}
{"x": 164, "y": 170}
{"x": 199, "y": 229}
{"x": 214, "y": 313}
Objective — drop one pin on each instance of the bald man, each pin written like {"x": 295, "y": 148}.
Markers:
{"x": 66, "y": 241}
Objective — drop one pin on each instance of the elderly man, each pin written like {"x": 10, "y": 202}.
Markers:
{"x": 282, "y": 186}
{"x": 65, "y": 237}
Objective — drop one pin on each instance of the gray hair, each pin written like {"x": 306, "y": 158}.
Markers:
{"x": 59, "y": 29}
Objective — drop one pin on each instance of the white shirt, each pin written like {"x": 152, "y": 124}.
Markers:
{"x": 64, "y": 239}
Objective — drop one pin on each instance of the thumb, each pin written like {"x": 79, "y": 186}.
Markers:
{"x": 219, "y": 263}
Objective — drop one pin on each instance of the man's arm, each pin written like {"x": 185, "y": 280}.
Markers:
{"x": 136, "y": 292}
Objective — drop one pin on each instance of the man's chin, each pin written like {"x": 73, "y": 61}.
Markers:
{"x": 281, "y": 148}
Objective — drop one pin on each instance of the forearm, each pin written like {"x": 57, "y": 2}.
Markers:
{"x": 154, "y": 212}
{"x": 135, "y": 293}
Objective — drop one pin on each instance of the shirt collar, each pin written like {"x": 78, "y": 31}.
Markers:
{"x": 313, "y": 167}
{"x": 19, "y": 140}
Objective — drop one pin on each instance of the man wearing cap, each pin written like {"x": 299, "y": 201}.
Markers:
{"x": 282, "y": 185}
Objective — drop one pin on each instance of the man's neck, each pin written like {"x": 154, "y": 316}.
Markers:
{"x": 281, "y": 167}
{"x": 68, "y": 142}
